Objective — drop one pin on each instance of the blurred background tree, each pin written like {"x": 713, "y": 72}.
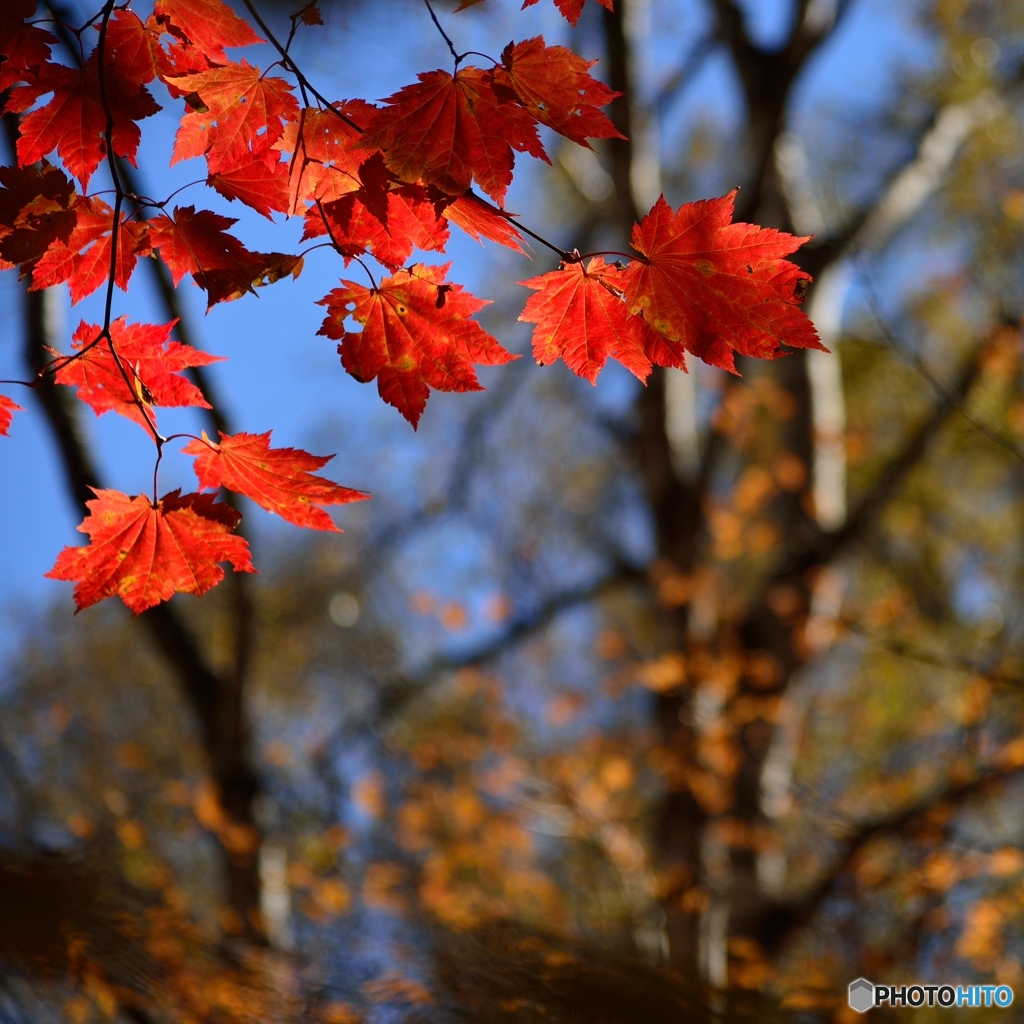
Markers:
{"x": 721, "y": 675}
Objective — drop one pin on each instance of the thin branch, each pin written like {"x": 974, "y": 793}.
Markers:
{"x": 444, "y": 35}
{"x": 801, "y": 911}
{"x": 903, "y": 649}
{"x": 290, "y": 64}
{"x": 395, "y": 698}
{"x": 824, "y": 546}
{"x": 956, "y": 400}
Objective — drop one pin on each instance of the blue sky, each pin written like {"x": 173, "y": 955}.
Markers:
{"x": 279, "y": 374}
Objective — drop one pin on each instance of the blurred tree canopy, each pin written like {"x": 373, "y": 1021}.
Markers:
{"x": 641, "y": 701}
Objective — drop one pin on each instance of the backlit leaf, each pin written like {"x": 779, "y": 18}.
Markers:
{"x": 571, "y": 9}
{"x": 581, "y": 317}
{"x": 7, "y": 408}
{"x": 417, "y": 334}
{"x": 84, "y": 259}
{"x": 447, "y": 131}
{"x": 151, "y": 361}
{"x": 714, "y": 288}
{"x": 145, "y": 553}
{"x": 555, "y": 86}
{"x": 280, "y": 480}
{"x": 246, "y": 111}
{"x": 209, "y": 25}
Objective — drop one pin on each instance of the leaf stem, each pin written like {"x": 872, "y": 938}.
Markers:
{"x": 359, "y": 260}
{"x": 191, "y": 437}
{"x": 609, "y": 252}
{"x": 156, "y": 473}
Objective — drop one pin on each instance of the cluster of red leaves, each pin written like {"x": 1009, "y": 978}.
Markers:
{"x": 144, "y": 551}
{"x": 370, "y": 181}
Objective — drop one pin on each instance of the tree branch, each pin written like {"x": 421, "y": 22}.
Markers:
{"x": 788, "y": 917}
{"x": 824, "y": 546}
{"x": 393, "y": 698}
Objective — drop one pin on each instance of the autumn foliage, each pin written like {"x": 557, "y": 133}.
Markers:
{"x": 372, "y": 182}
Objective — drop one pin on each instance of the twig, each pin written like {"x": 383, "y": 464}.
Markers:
{"x": 954, "y": 399}
{"x": 444, "y": 35}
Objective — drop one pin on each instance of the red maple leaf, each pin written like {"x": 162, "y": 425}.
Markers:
{"x": 197, "y": 244}
{"x": 74, "y": 121}
{"x": 134, "y": 48}
{"x": 323, "y": 165}
{"x": 447, "y": 131}
{"x": 571, "y": 9}
{"x": 194, "y": 243}
{"x": 713, "y": 288}
{"x": 481, "y": 220}
{"x": 246, "y": 110}
{"x": 84, "y": 259}
{"x": 581, "y": 317}
{"x": 24, "y": 48}
{"x": 262, "y": 269}
{"x": 417, "y": 334}
{"x": 555, "y": 86}
{"x": 257, "y": 181}
{"x": 145, "y": 553}
{"x": 383, "y": 217}
{"x": 209, "y": 25}
{"x": 7, "y": 407}
{"x": 150, "y": 360}
{"x": 37, "y": 210}
{"x": 410, "y": 222}
{"x": 280, "y": 480}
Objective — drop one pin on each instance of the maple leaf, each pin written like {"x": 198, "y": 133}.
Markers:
{"x": 481, "y": 220}
{"x": 193, "y": 243}
{"x": 410, "y": 222}
{"x": 713, "y": 288}
{"x": 24, "y": 48}
{"x": 417, "y": 334}
{"x": 310, "y": 14}
{"x": 555, "y": 86}
{"x": 74, "y": 122}
{"x": 280, "y": 480}
{"x": 257, "y": 182}
{"x": 447, "y": 130}
{"x": 581, "y": 317}
{"x": 245, "y": 110}
{"x": 7, "y": 408}
{"x": 150, "y": 359}
{"x": 209, "y": 25}
{"x": 383, "y": 217}
{"x": 37, "y": 209}
{"x": 84, "y": 259}
{"x": 145, "y": 553}
{"x": 133, "y": 48}
{"x": 571, "y": 9}
{"x": 197, "y": 244}
{"x": 323, "y": 166}
{"x": 261, "y": 269}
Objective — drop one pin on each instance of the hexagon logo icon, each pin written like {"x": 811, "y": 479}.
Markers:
{"x": 862, "y": 995}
